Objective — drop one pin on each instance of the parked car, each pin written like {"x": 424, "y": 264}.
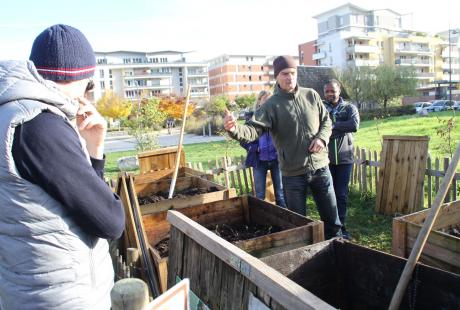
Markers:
{"x": 441, "y": 105}
{"x": 419, "y": 106}
{"x": 456, "y": 106}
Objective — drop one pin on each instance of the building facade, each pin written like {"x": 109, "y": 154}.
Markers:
{"x": 239, "y": 75}
{"x": 133, "y": 75}
{"x": 352, "y": 36}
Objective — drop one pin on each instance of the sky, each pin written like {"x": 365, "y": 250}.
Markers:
{"x": 207, "y": 27}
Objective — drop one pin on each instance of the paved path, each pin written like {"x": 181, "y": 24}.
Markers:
{"x": 117, "y": 143}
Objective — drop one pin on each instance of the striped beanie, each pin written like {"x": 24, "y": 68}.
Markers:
{"x": 62, "y": 53}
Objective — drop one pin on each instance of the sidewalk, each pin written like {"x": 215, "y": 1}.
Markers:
{"x": 121, "y": 141}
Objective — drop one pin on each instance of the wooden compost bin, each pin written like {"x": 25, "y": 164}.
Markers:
{"x": 441, "y": 250}
{"x": 401, "y": 174}
{"x": 152, "y": 176}
{"x": 348, "y": 276}
{"x": 157, "y": 210}
{"x": 225, "y": 275}
{"x": 159, "y": 159}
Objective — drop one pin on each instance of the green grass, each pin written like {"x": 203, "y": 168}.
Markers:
{"x": 365, "y": 226}
{"x": 370, "y": 133}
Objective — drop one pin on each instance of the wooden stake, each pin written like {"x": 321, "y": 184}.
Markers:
{"x": 424, "y": 233}
{"x": 179, "y": 148}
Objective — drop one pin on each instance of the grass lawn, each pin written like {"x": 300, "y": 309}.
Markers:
{"x": 370, "y": 133}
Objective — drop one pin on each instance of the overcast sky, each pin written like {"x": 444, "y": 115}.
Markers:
{"x": 211, "y": 27}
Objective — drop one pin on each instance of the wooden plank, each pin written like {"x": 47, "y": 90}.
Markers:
{"x": 251, "y": 176}
{"x": 262, "y": 212}
{"x": 283, "y": 290}
{"x": 436, "y": 180}
{"x": 364, "y": 170}
{"x": 429, "y": 184}
{"x": 161, "y": 264}
{"x": 406, "y": 167}
{"x": 392, "y": 177}
{"x": 399, "y": 238}
{"x": 406, "y": 138}
{"x": 369, "y": 155}
{"x": 376, "y": 173}
{"x": 446, "y": 166}
{"x": 380, "y": 188}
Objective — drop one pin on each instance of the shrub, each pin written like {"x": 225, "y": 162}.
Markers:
{"x": 385, "y": 113}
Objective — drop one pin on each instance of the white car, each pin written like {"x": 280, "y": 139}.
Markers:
{"x": 419, "y": 106}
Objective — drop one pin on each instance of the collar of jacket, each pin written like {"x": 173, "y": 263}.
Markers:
{"x": 284, "y": 94}
{"x": 339, "y": 104}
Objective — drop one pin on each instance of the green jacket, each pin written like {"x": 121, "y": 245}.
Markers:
{"x": 294, "y": 120}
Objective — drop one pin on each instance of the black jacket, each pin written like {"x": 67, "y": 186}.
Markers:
{"x": 345, "y": 121}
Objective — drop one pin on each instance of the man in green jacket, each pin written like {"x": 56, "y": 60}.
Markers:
{"x": 300, "y": 127}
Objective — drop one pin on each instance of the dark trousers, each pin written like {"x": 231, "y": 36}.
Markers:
{"x": 320, "y": 184}
{"x": 260, "y": 178}
{"x": 341, "y": 178}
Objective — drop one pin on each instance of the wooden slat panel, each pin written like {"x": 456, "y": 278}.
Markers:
{"x": 283, "y": 290}
{"x": 401, "y": 175}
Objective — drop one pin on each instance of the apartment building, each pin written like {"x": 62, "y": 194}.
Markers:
{"x": 132, "y": 75}
{"x": 237, "y": 75}
{"x": 352, "y": 36}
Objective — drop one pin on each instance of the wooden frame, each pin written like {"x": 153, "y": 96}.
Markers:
{"x": 441, "y": 249}
{"x": 159, "y": 159}
{"x": 224, "y": 276}
{"x": 349, "y": 276}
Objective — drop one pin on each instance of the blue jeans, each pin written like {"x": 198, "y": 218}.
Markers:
{"x": 260, "y": 177}
{"x": 341, "y": 177}
{"x": 320, "y": 184}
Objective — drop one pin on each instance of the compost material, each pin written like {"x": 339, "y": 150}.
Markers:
{"x": 179, "y": 194}
{"x": 163, "y": 247}
{"x": 452, "y": 230}
{"x": 238, "y": 232}
{"x": 232, "y": 233}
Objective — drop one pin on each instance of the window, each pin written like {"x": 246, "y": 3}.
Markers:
{"x": 110, "y": 73}
{"x": 102, "y": 85}
{"x": 340, "y": 21}
{"x": 250, "y": 78}
{"x": 111, "y": 84}
{"x": 101, "y": 73}
{"x": 260, "y": 78}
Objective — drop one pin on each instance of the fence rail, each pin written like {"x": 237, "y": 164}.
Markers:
{"x": 365, "y": 174}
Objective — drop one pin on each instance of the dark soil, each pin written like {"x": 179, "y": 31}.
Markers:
{"x": 238, "y": 232}
{"x": 453, "y": 230}
{"x": 163, "y": 247}
{"x": 181, "y": 194}
{"x": 231, "y": 233}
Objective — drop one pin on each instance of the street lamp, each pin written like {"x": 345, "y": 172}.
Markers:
{"x": 450, "y": 64}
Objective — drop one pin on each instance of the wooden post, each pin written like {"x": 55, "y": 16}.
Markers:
{"x": 179, "y": 148}
{"x": 227, "y": 179}
{"x": 129, "y": 294}
{"x": 423, "y": 234}
{"x": 364, "y": 169}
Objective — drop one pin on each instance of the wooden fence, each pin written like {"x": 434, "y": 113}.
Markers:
{"x": 364, "y": 176}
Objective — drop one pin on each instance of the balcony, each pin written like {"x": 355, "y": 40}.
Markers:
{"x": 414, "y": 62}
{"x": 363, "y": 63}
{"x": 424, "y": 75}
{"x": 446, "y": 66}
{"x": 319, "y": 55}
{"x": 453, "y": 53}
{"x": 363, "y": 49}
{"x": 414, "y": 50}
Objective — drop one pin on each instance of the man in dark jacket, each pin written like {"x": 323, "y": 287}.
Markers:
{"x": 300, "y": 127}
{"x": 345, "y": 121}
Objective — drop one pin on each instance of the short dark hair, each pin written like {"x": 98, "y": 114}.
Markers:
{"x": 333, "y": 81}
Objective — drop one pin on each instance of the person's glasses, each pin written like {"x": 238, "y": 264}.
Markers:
{"x": 90, "y": 86}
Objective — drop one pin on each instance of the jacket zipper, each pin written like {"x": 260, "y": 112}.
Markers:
{"x": 304, "y": 135}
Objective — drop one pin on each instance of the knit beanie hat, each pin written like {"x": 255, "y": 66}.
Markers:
{"x": 282, "y": 62}
{"x": 62, "y": 53}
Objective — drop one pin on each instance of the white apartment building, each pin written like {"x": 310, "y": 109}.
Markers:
{"x": 451, "y": 54}
{"x": 350, "y": 35}
{"x": 133, "y": 75}
{"x": 353, "y": 36}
